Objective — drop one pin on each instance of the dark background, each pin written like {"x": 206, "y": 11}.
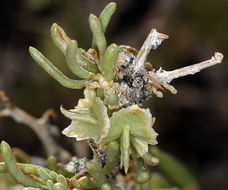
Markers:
{"x": 192, "y": 125}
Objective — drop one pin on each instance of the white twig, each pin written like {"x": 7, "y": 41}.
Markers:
{"x": 40, "y": 126}
{"x": 153, "y": 40}
{"x": 167, "y": 76}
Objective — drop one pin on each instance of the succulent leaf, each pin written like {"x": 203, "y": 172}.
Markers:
{"x": 61, "y": 179}
{"x": 59, "y": 37}
{"x": 139, "y": 120}
{"x": 96, "y": 171}
{"x": 174, "y": 169}
{"x": 85, "y": 182}
{"x": 98, "y": 35}
{"x": 94, "y": 125}
{"x": 106, "y": 15}
{"x": 61, "y": 40}
{"x": 125, "y": 148}
{"x": 112, "y": 158}
{"x": 150, "y": 160}
{"x": 133, "y": 126}
{"x": 143, "y": 177}
{"x": 108, "y": 65}
{"x": 54, "y": 72}
{"x": 13, "y": 168}
{"x": 79, "y": 116}
{"x": 113, "y": 99}
{"x": 140, "y": 145}
{"x": 51, "y": 163}
{"x": 72, "y": 62}
{"x": 88, "y": 101}
{"x": 59, "y": 186}
{"x": 87, "y": 63}
{"x": 50, "y": 184}
{"x": 44, "y": 175}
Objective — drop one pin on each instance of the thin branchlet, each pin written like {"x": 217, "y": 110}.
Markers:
{"x": 163, "y": 76}
{"x": 153, "y": 40}
{"x": 137, "y": 84}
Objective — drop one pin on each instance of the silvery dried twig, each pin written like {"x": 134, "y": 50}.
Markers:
{"x": 153, "y": 40}
{"x": 137, "y": 83}
{"x": 167, "y": 76}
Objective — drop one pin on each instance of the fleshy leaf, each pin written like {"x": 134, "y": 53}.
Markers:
{"x": 89, "y": 99}
{"x": 108, "y": 65}
{"x": 106, "y": 14}
{"x": 72, "y": 62}
{"x": 133, "y": 127}
{"x": 140, "y": 145}
{"x": 61, "y": 40}
{"x": 98, "y": 35}
{"x": 59, "y": 37}
{"x": 55, "y": 72}
{"x": 125, "y": 148}
{"x": 89, "y": 119}
{"x": 139, "y": 120}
